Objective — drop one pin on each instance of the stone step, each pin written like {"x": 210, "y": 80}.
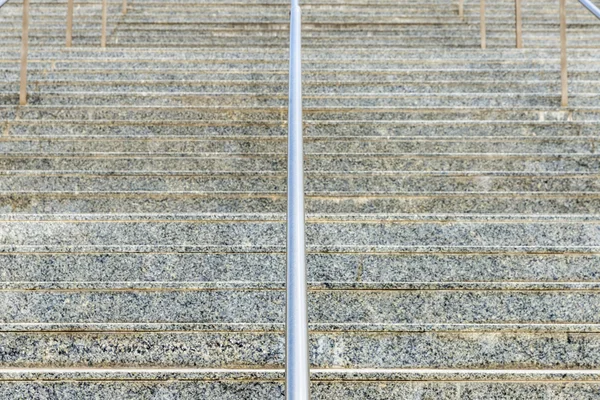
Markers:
{"x": 401, "y": 347}
{"x": 267, "y": 384}
{"x": 317, "y": 66}
{"x": 316, "y": 182}
{"x": 255, "y": 74}
{"x": 165, "y": 54}
{"x": 224, "y": 115}
{"x": 158, "y": 89}
{"x": 313, "y": 145}
{"x": 341, "y": 308}
{"x": 313, "y": 36}
{"x": 172, "y": 12}
{"x": 553, "y": 126}
{"x": 394, "y": 43}
{"x": 216, "y": 28}
{"x": 58, "y": 63}
{"x": 395, "y": 270}
{"x": 334, "y": 162}
{"x": 264, "y": 231}
{"x": 251, "y": 202}
{"x": 375, "y": 102}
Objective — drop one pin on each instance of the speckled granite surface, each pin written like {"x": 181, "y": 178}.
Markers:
{"x": 453, "y": 223}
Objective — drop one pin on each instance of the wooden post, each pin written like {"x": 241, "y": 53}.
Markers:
{"x": 482, "y": 24}
{"x": 24, "y": 50}
{"x": 563, "y": 54}
{"x": 69, "y": 23}
{"x": 518, "y": 24}
{"x": 124, "y": 10}
{"x": 104, "y": 19}
{"x": 461, "y": 8}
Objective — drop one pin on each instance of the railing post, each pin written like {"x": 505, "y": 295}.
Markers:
{"x": 482, "y": 24}
{"x": 518, "y": 24}
{"x": 24, "y": 51}
{"x": 563, "y": 55}
{"x": 297, "y": 376}
{"x": 461, "y": 8}
{"x": 69, "y": 23}
{"x": 104, "y": 20}
{"x": 124, "y": 10}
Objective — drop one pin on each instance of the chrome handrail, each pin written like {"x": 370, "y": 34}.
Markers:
{"x": 564, "y": 77}
{"x": 591, "y": 7}
{"x": 297, "y": 375}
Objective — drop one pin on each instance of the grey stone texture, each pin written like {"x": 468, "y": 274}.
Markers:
{"x": 453, "y": 230}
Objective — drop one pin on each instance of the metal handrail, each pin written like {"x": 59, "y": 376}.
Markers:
{"x": 297, "y": 374}
{"x": 3, "y": 2}
{"x": 591, "y": 7}
{"x": 564, "y": 76}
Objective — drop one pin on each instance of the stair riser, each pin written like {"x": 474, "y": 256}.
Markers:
{"x": 265, "y": 390}
{"x": 226, "y": 115}
{"x": 416, "y": 204}
{"x": 274, "y": 130}
{"x": 318, "y": 184}
{"x": 108, "y": 269}
{"x": 265, "y": 350}
{"x": 330, "y": 163}
{"x": 372, "y": 234}
{"x": 102, "y": 90}
{"x": 256, "y": 146}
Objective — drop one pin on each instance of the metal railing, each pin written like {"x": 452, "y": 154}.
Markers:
{"x": 564, "y": 76}
{"x": 483, "y": 26}
{"x": 69, "y": 38}
{"x": 24, "y": 51}
{"x": 103, "y": 35}
{"x": 595, "y": 10}
{"x": 296, "y": 362}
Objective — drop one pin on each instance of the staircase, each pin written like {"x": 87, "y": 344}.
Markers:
{"x": 453, "y": 222}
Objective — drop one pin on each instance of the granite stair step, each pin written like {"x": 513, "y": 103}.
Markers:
{"x": 317, "y": 182}
{"x": 552, "y": 126}
{"x": 267, "y": 384}
{"x": 51, "y": 91}
{"x": 333, "y": 162}
{"x": 366, "y": 100}
{"x": 179, "y": 146}
{"x": 453, "y": 268}
{"x": 526, "y": 203}
{"x": 453, "y": 227}
{"x": 472, "y": 348}
{"x": 219, "y": 115}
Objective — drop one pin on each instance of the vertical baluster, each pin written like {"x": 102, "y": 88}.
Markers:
{"x": 70, "y": 7}
{"x": 563, "y": 54}
{"x": 24, "y": 51}
{"x": 482, "y": 24}
{"x": 104, "y": 21}
{"x": 518, "y": 24}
